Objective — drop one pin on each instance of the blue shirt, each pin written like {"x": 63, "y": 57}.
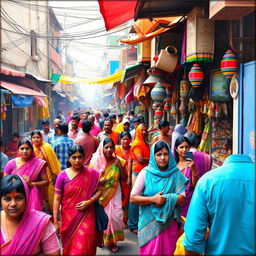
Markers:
{"x": 52, "y": 137}
{"x": 223, "y": 201}
{"x": 61, "y": 146}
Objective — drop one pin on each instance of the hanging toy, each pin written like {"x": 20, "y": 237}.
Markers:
{"x": 229, "y": 64}
{"x": 196, "y": 75}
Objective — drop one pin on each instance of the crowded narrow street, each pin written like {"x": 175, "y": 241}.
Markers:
{"x": 128, "y": 127}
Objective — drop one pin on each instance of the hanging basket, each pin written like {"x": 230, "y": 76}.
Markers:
{"x": 159, "y": 113}
{"x": 229, "y": 64}
{"x": 196, "y": 75}
{"x": 184, "y": 87}
{"x": 158, "y": 93}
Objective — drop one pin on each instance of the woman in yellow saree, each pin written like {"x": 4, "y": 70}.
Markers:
{"x": 45, "y": 152}
{"x": 111, "y": 172}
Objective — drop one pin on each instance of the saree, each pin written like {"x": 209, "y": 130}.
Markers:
{"x": 160, "y": 224}
{"x": 32, "y": 169}
{"x": 111, "y": 197}
{"x": 125, "y": 188}
{"x": 203, "y": 164}
{"x": 29, "y": 232}
{"x": 140, "y": 145}
{"x": 46, "y": 153}
{"x": 78, "y": 228}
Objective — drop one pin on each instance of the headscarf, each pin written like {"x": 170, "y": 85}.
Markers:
{"x": 178, "y": 130}
{"x": 98, "y": 161}
{"x": 139, "y": 139}
{"x": 29, "y": 232}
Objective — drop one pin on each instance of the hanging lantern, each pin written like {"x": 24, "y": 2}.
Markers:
{"x": 158, "y": 92}
{"x": 184, "y": 87}
{"x": 159, "y": 113}
{"x": 167, "y": 106}
{"x": 229, "y": 64}
{"x": 196, "y": 75}
{"x": 157, "y": 104}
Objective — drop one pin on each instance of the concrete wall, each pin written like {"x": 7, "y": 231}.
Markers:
{"x": 25, "y": 16}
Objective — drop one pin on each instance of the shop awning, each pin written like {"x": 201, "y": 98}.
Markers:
{"x": 117, "y": 12}
{"x": 11, "y": 72}
{"x": 17, "y": 89}
{"x": 39, "y": 78}
{"x": 144, "y": 29}
{"x": 132, "y": 71}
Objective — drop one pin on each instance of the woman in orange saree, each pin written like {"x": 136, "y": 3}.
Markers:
{"x": 124, "y": 151}
{"x": 76, "y": 191}
{"x": 45, "y": 152}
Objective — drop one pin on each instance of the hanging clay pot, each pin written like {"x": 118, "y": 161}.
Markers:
{"x": 159, "y": 113}
{"x": 229, "y": 64}
{"x": 184, "y": 87}
{"x": 167, "y": 59}
{"x": 196, "y": 75}
{"x": 182, "y": 107}
{"x": 158, "y": 93}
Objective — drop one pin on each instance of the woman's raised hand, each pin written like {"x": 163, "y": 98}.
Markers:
{"x": 189, "y": 162}
{"x": 158, "y": 199}
{"x": 83, "y": 205}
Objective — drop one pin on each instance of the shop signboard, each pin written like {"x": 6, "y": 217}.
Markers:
{"x": 219, "y": 86}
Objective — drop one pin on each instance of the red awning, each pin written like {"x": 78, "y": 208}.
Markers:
{"x": 12, "y": 72}
{"x": 17, "y": 89}
{"x": 117, "y": 12}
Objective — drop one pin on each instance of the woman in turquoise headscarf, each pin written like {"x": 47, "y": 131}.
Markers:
{"x": 159, "y": 189}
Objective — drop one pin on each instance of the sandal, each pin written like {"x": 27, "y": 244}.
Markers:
{"x": 114, "y": 249}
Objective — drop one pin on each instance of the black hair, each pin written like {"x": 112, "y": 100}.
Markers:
{"x": 137, "y": 120}
{"x": 75, "y": 117}
{"x": 15, "y": 134}
{"x": 141, "y": 118}
{"x": 109, "y": 120}
{"x": 86, "y": 126}
{"x": 25, "y": 141}
{"x": 36, "y": 132}
{"x": 88, "y": 112}
{"x": 11, "y": 183}
{"x": 159, "y": 146}
{"x": 1, "y": 144}
{"x": 163, "y": 124}
{"x": 191, "y": 137}
{"x": 112, "y": 116}
{"x": 46, "y": 121}
{"x": 120, "y": 115}
{"x": 107, "y": 140}
{"x": 124, "y": 133}
{"x": 106, "y": 114}
{"x": 131, "y": 112}
{"x": 72, "y": 150}
{"x": 63, "y": 127}
{"x": 178, "y": 141}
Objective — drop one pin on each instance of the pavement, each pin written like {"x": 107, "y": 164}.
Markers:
{"x": 127, "y": 247}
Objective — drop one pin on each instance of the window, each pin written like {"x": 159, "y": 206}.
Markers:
{"x": 33, "y": 40}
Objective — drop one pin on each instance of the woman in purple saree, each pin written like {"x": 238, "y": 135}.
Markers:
{"x": 193, "y": 169}
{"x": 32, "y": 169}
{"x": 24, "y": 231}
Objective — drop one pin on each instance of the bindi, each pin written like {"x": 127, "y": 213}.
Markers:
{"x": 13, "y": 194}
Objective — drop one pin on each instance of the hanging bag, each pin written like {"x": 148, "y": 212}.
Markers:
{"x": 101, "y": 217}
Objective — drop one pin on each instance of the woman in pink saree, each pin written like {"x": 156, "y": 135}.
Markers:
{"x": 24, "y": 231}
{"x": 32, "y": 169}
{"x": 193, "y": 169}
{"x": 76, "y": 191}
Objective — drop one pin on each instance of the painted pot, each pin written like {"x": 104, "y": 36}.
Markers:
{"x": 229, "y": 64}
{"x": 196, "y": 75}
{"x": 158, "y": 93}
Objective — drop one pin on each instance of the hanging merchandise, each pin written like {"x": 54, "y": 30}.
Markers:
{"x": 167, "y": 59}
{"x": 229, "y": 64}
{"x": 157, "y": 104}
{"x": 158, "y": 93}
{"x": 167, "y": 106}
{"x": 195, "y": 124}
{"x": 182, "y": 107}
{"x": 196, "y": 75}
{"x": 184, "y": 86}
{"x": 204, "y": 145}
{"x": 154, "y": 75}
{"x": 173, "y": 110}
{"x": 159, "y": 113}
{"x": 167, "y": 100}
{"x": 210, "y": 112}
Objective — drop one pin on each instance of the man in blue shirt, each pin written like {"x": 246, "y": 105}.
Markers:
{"x": 62, "y": 144}
{"x": 224, "y": 202}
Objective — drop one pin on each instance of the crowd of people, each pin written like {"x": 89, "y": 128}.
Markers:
{"x": 152, "y": 181}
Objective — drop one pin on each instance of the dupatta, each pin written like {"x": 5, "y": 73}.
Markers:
{"x": 153, "y": 220}
{"x": 80, "y": 188}
{"x": 29, "y": 232}
{"x": 32, "y": 169}
{"x": 139, "y": 142}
